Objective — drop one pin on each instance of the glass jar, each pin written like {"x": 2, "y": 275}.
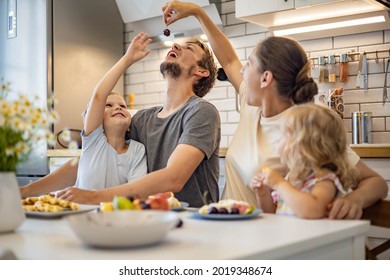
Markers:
{"x": 323, "y": 71}
{"x": 331, "y": 69}
{"x": 343, "y": 68}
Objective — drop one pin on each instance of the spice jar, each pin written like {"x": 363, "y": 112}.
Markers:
{"x": 343, "y": 68}
{"x": 323, "y": 76}
{"x": 331, "y": 69}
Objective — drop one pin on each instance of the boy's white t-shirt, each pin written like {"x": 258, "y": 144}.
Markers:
{"x": 100, "y": 166}
{"x": 255, "y": 141}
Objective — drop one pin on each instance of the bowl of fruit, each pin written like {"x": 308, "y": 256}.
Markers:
{"x": 119, "y": 229}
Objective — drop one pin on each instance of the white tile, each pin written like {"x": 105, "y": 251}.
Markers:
{"x": 134, "y": 88}
{"x": 228, "y": 7}
{"x": 233, "y": 116}
{"x": 155, "y": 86}
{"x": 347, "y": 125}
{"x": 231, "y": 19}
{"x": 381, "y": 137}
{"x": 223, "y": 116}
{"x": 232, "y": 93}
{"x": 224, "y": 20}
{"x": 224, "y": 141}
{"x": 360, "y": 96}
{"x": 376, "y": 80}
{"x": 247, "y": 41}
{"x": 144, "y": 77}
{"x": 217, "y": 93}
{"x": 387, "y": 36}
{"x": 135, "y": 68}
{"x": 362, "y": 39}
{"x": 254, "y": 28}
{"x": 378, "y": 124}
{"x": 349, "y": 109}
{"x": 147, "y": 99}
{"x": 153, "y": 65}
{"x": 377, "y": 109}
{"x": 387, "y": 123}
{"x": 228, "y": 129}
{"x": 317, "y": 45}
{"x": 371, "y": 48}
{"x": 153, "y": 55}
{"x": 225, "y": 105}
{"x": 241, "y": 53}
{"x": 235, "y": 30}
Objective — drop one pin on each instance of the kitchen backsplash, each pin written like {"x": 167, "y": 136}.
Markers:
{"x": 146, "y": 82}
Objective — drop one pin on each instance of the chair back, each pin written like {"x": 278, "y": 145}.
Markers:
{"x": 379, "y": 215}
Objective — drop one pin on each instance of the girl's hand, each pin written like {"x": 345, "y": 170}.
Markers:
{"x": 271, "y": 178}
{"x": 138, "y": 47}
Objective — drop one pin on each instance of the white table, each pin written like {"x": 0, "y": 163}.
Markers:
{"x": 266, "y": 237}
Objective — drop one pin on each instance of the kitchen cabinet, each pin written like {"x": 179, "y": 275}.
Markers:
{"x": 254, "y": 7}
{"x": 283, "y": 13}
{"x": 305, "y": 3}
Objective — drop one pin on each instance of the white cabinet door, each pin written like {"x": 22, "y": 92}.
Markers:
{"x": 255, "y": 7}
{"x": 242, "y": 8}
{"x": 304, "y": 3}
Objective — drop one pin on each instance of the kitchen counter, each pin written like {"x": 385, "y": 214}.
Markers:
{"x": 372, "y": 150}
{"x": 363, "y": 150}
{"x": 265, "y": 237}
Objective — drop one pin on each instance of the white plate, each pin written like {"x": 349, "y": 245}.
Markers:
{"x": 255, "y": 213}
{"x": 182, "y": 206}
{"x": 83, "y": 208}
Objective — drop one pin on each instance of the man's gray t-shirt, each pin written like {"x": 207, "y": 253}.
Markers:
{"x": 100, "y": 166}
{"x": 197, "y": 124}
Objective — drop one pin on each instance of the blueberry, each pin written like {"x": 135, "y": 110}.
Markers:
{"x": 179, "y": 223}
{"x": 213, "y": 210}
{"x": 222, "y": 211}
{"x": 145, "y": 205}
{"x": 167, "y": 32}
{"x": 130, "y": 198}
{"x": 234, "y": 211}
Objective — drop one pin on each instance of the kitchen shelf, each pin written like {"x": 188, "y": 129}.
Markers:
{"x": 372, "y": 150}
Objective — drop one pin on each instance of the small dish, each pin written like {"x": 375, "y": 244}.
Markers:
{"x": 82, "y": 209}
{"x": 254, "y": 214}
{"x": 120, "y": 229}
{"x": 183, "y": 206}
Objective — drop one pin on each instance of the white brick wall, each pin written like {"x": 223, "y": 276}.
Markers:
{"x": 145, "y": 80}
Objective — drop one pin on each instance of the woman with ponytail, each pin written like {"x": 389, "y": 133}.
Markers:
{"x": 274, "y": 79}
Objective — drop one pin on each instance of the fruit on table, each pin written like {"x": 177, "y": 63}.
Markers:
{"x": 122, "y": 203}
{"x": 228, "y": 206}
{"x": 106, "y": 207}
{"x": 158, "y": 203}
{"x": 169, "y": 196}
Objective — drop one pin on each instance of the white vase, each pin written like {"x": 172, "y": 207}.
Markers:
{"x": 11, "y": 210}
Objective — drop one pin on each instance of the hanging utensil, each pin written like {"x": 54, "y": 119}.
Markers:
{"x": 365, "y": 72}
{"x": 385, "y": 96}
{"x": 359, "y": 73}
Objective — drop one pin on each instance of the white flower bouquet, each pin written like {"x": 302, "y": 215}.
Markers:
{"x": 23, "y": 123}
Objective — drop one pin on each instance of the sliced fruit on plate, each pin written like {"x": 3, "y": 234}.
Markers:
{"x": 228, "y": 206}
{"x": 170, "y": 197}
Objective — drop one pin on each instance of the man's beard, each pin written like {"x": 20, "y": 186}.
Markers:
{"x": 170, "y": 69}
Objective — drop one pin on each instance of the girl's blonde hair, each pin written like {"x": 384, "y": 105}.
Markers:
{"x": 316, "y": 139}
